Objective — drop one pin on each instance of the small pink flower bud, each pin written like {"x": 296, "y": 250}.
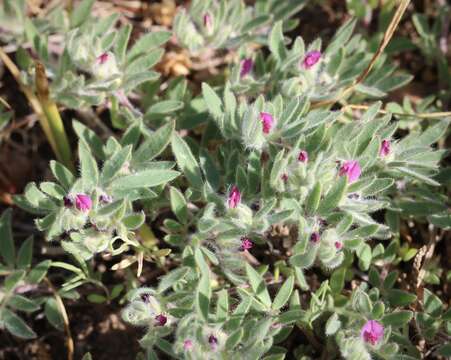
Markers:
{"x": 213, "y": 341}
{"x": 246, "y": 67}
{"x": 338, "y": 245}
{"x": 303, "y": 156}
{"x": 372, "y": 332}
{"x": 385, "y": 148}
{"x": 267, "y": 121}
{"x": 102, "y": 58}
{"x": 351, "y": 169}
{"x": 314, "y": 237}
{"x": 145, "y": 298}
{"x": 311, "y": 58}
{"x": 105, "y": 198}
{"x": 284, "y": 177}
{"x": 188, "y": 345}
{"x": 234, "y": 197}
{"x": 208, "y": 22}
{"x": 246, "y": 244}
{"x": 83, "y": 202}
{"x": 161, "y": 320}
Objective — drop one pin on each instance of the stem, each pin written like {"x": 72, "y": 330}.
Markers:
{"x": 55, "y": 124}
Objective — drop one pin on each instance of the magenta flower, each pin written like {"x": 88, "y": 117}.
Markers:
{"x": 83, "y": 202}
{"x": 187, "y": 345}
{"x": 246, "y": 244}
{"x": 234, "y": 197}
{"x": 208, "y": 21}
{"x": 246, "y": 67}
{"x": 267, "y": 121}
{"x": 303, "y": 156}
{"x": 385, "y": 148}
{"x": 311, "y": 58}
{"x": 284, "y": 177}
{"x": 103, "y": 58}
{"x": 351, "y": 169}
{"x": 213, "y": 341}
{"x": 315, "y": 238}
{"x": 372, "y": 332}
{"x": 161, "y": 320}
{"x": 338, "y": 245}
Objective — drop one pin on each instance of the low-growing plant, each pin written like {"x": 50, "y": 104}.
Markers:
{"x": 277, "y": 225}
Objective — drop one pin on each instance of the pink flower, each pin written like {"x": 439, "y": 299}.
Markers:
{"x": 315, "y": 238}
{"x": 161, "y": 320}
{"x": 83, "y": 202}
{"x": 187, "y": 345}
{"x": 303, "y": 156}
{"x": 234, "y": 197}
{"x": 246, "y": 67}
{"x": 103, "y": 58}
{"x": 338, "y": 245}
{"x": 311, "y": 58}
{"x": 351, "y": 169}
{"x": 246, "y": 244}
{"x": 284, "y": 177}
{"x": 208, "y": 22}
{"x": 372, "y": 332}
{"x": 213, "y": 341}
{"x": 267, "y": 121}
{"x": 385, "y": 148}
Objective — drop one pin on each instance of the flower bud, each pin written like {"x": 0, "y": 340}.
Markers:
{"x": 315, "y": 237}
{"x": 161, "y": 320}
{"x": 246, "y": 67}
{"x": 188, "y": 345}
{"x": 303, "y": 156}
{"x": 234, "y": 198}
{"x": 105, "y": 199}
{"x": 385, "y": 148}
{"x": 351, "y": 169}
{"x": 68, "y": 201}
{"x": 267, "y": 122}
{"x": 83, "y": 202}
{"x": 338, "y": 245}
{"x": 311, "y": 58}
{"x": 208, "y": 23}
{"x": 105, "y": 66}
{"x": 372, "y": 332}
{"x": 246, "y": 244}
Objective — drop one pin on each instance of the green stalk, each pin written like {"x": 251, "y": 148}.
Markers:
{"x": 53, "y": 125}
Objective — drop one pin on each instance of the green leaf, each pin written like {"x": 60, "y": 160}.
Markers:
{"x": 334, "y": 196}
{"x": 87, "y": 356}
{"x": 178, "y": 205}
{"x": 21, "y": 303}
{"x": 7, "y": 249}
{"x": 171, "y": 278}
{"x": 39, "y": 271}
{"x": 444, "y": 350}
{"x": 148, "y": 42}
{"x": 111, "y": 209}
{"x": 203, "y": 294}
{"x": 81, "y": 13}
{"x": 397, "y": 319}
{"x": 258, "y": 285}
{"x": 212, "y": 100}
{"x": 120, "y": 47}
{"x": 398, "y": 297}
{"x": 164, "y": 107}
{"x": 186, "y": 161}
{"x": 313, "y": 199}
{"x": 134, "y": 221}
{"x": 90, "y": 138}
{"x": 234, "y": 339}
{"x": 88, "y": 166}
{"x": 13, "y": 279}
{"x": 283, "y": 294}
{"x": 154, "y": 144}
{"x": 25, "y": 253}
{"x": 333, "y": 324}
{"x": 275, "y": 41}
{"x": 53, "y": 314}
{"x": 62, "y": 174}
{"x": 115, "y": 163}
{"x": 16, "y": 326}
{"x": 146, "y": 178}
{"x": 96, "y": 298}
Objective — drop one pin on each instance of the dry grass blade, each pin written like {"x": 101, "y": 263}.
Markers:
{"x": 382, "y": 45}
{"x": 433, "y": 115}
